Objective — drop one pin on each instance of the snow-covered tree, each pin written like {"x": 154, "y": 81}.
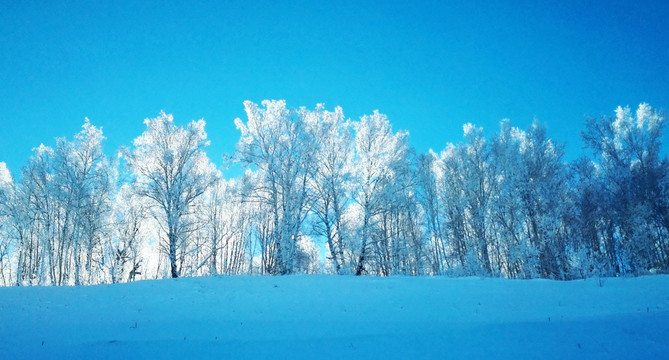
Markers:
{"x": 6, "y": 203}
{"x": 634, "y": 225}
{"x": 34, "y": 218}
{"x": 60, "y": 211}
{"x": 276, "y": 144}
{"x": 450, "y": 193}
{"x": 331, "y": 179}
{"x": 171, "y": 170}
{"x": 85, "y": 183}
{"x": 378, "y": 150}
{"x": 123, "y": 245}
{"x": 427, "y": 195}
{"x": 401, "y": 246}
{"x": 467, "y": 184}
{"x": 224, "y": 230}
{"x": 506, "y": 205}
{"x": 530, "y": 203}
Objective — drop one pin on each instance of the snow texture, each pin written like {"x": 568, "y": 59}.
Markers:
{"x": 307, "y": 317}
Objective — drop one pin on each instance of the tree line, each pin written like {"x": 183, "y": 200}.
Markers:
{"x": 315, "y": 182}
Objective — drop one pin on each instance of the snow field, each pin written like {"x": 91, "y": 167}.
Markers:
{"x": 307, "y": 317}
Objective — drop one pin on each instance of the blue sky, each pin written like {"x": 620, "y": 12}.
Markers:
{"x": 430, "y": 66}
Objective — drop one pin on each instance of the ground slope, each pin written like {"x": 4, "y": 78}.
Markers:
{"x": 340, "y": 317}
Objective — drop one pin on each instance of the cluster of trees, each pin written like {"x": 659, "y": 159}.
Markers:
{"x": 322, "y": 193}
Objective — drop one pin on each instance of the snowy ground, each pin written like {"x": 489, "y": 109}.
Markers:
{"x": 340, "y": 317}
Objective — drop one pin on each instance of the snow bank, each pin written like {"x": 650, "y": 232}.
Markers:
{"x": 339, "y": 317}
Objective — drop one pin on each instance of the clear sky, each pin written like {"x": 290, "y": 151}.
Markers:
{"x": 430, "y": 66}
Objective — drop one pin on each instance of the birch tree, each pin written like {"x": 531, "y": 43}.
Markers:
{"x": 171, "y": 170}
{"x": 633, "y": 179}
{"x": 377, "y": 149}
{"x": 122, "y": 246}
{"x": 427, "y": 195}
{"x": 6, "y": 203}
{"x": 274, "y": 141}
{"x": 84, "y": 180}
{"x": 331, "y": 179}
{"x": 530, "y": 204}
